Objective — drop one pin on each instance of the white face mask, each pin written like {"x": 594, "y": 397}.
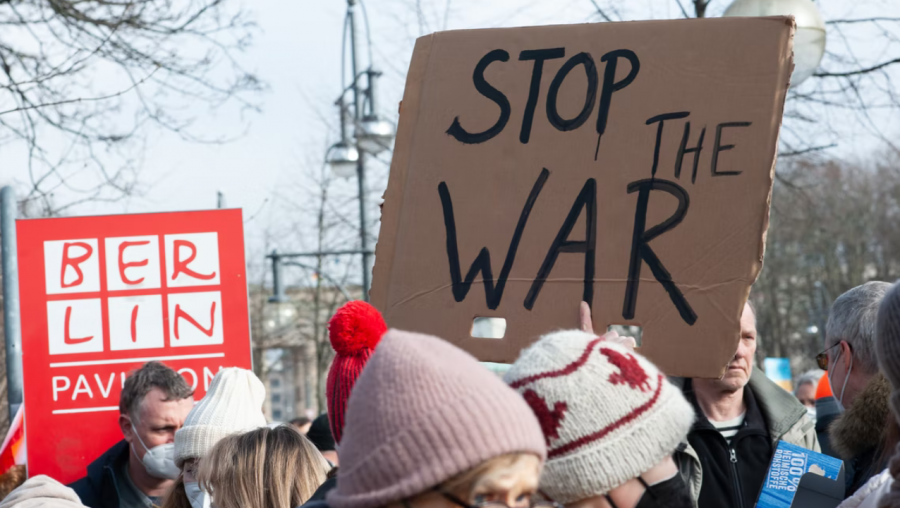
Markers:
{"x": 811, "y": 413}
{"x": 160, "y": 461}
{"x": 840, "y": 399}
{"x": 197, "y": 497}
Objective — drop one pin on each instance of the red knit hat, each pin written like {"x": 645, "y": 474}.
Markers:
{"x": 354, "y": 331}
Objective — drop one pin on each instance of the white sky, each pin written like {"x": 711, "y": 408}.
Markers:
{"x": 297, "y": 52}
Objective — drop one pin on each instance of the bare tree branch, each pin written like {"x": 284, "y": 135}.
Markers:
{"x": 600, "y": 11}
{"x": 861, "y": 20}
{"x": 99, "y": 74}
{"x": 80, "y": 99}
{"x": 858, "y": 71}
{"x": 806, "y": 150}
{"x": 700, "y": 7}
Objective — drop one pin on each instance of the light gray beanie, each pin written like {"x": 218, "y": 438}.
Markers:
{"x": 607, "y": 413}
{"x": 233, "y": 404}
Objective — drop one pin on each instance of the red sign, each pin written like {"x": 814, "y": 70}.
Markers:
{"x": 100, "y": 296}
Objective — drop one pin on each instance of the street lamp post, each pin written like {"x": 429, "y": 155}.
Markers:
{"x": 360, "y": 160}
{"x": 809, "y": 39}
{"x": 370, "y": 135}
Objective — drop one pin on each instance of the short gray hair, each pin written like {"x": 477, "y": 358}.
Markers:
{"x": 752, "y": 309}
{"x": 811, "y": 377}
{"x": 151, "y": 375}
{"x": 853, "y": 317}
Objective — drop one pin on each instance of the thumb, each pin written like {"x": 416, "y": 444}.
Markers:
{"x": 585, "y": 314}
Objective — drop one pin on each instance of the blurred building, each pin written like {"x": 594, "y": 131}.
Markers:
{"x": 292, "y": 353}
{"x": 279, "y": 406}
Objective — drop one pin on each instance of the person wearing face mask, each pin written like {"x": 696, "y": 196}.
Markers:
{"x": 860, "y": 434}
{"x": 610, "y": 419}
{"x": 427, "y": 426}
{"x": 232, "y": 405}
{"x": 137, "y": 472}
{"x": 740, "y": 419}
{"x": 805, "y": 391}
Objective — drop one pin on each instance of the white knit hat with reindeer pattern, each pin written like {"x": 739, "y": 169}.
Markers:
{"x": 607, "y": 413}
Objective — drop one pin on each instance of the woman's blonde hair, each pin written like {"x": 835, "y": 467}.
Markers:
{"x": 264, "y": 468}
{"x": 490, "y": 474}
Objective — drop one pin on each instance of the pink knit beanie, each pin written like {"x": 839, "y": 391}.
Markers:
{"x": 422, "y": 412}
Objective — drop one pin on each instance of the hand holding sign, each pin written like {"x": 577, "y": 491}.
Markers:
{"x": 612, "y": 336}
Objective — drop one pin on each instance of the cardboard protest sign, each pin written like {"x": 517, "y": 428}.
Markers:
{"x": 629, "y": 165}
{"x": 103, "y": 295}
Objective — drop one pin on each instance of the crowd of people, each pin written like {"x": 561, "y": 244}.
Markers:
{"x": 580, "y": 420}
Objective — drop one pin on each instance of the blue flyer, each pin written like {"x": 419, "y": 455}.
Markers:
{"x": 789, "y": 463}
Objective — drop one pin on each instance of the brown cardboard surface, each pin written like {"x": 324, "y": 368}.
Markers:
{"x": 725, "y": 73}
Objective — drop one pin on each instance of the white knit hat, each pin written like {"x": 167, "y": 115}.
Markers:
{"x": 233, "y": 404}
{"x": 607, "y": 413}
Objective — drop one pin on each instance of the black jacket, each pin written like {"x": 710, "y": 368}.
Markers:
{"x": 785, "y": 420}
{"x": 98, "y": 488}
{"x": 320, "y": 493}
{"x": 733, "y": 474}
{"x": 826, "y": 413}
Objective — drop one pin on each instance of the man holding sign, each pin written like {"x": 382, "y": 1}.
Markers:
{"x": 740, "y": 420}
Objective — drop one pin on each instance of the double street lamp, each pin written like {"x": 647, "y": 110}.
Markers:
{"x": 370, "y": 135}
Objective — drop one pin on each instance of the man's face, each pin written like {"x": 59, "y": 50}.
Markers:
{"x": 741, "y": 366}
{"x": 806, "y": 394}
{"x": 156, "y": 421}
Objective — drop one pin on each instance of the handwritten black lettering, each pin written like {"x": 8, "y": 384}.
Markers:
{"x": 493, "y": 294}
{"x": 642, "y": 252}
{"x": 539, "y": 56}
{"x": 456, "y": 130}
{"x": 587, "y": 200}
{"x": 659, "y": 131}
{"x": 683, "y": 149}
{"x": 719, "y": 147}
{"x": 590, "y": 70}
{"x": 610, "y": 85}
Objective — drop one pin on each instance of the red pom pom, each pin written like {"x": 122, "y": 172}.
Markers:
{"x": 355, "y": 327}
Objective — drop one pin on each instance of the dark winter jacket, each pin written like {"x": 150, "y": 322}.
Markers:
{"x": 315, "y": 504}
{"x": 98, "y": 489}
{"x": 733, "y": 473}
{"x": 826, "y": 413}
{"x": 777, "y": 411}
{"x": 859, "y": 435}
{"x": 322, "y": 491}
